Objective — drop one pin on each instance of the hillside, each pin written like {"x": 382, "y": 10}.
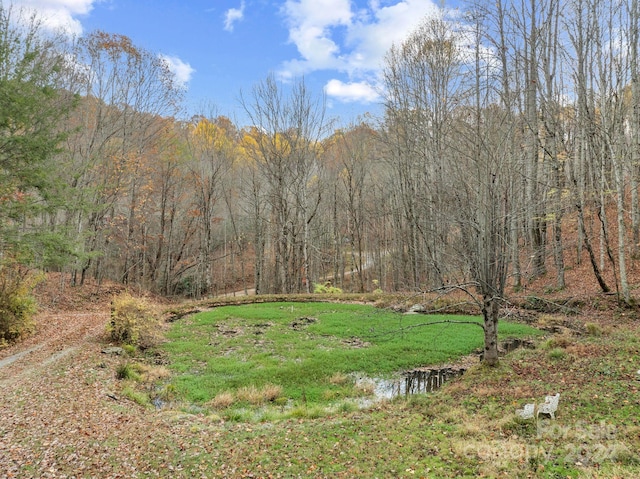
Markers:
{"x": 64, "y": 413}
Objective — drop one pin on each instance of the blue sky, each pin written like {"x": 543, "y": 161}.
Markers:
{"x": 219, "y": 48}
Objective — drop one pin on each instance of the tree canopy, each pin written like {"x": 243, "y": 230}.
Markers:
{"x": 32, "y": 107}
{"x": 508, "y": 150}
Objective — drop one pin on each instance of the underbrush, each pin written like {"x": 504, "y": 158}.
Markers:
{"x": 17, "y": 304}
{"x": 144, "y": 384}
{"x": 134, "y": 322}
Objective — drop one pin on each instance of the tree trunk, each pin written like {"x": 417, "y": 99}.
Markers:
{"x": 634, "y": 18}
{"x": 490, "y": 310}
{"x": 592, "y": 257}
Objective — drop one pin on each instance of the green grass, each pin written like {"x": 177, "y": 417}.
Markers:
{"x": 467, "y": 429}
{"x": 301, "y": 346}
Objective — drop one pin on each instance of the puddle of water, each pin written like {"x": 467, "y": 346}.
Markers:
{"x": 411, "y": 382}
{"x": 423, "y": 380}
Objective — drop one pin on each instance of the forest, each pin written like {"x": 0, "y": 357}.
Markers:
{"x": 509, "y": 143}
{"x": 504, "y": 169}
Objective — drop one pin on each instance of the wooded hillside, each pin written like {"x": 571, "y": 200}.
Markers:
{"x": 509, "y": 151}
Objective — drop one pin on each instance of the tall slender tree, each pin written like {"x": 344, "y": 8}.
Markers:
{"x": 288, "y": 131}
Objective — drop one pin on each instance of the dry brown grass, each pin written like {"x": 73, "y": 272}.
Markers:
{"x": 271, "y": 392}
{"x": 486, "y": 390}
{"x": 256, "y": 397}
{"x": 563, "y": 341}
{"x": 584, "y": 350}
{"x": 339, "y": 379}
{"x": 365, "y": 388}
{"x": 249, "y": 394}
{"x": 522, "y": 391}
{"x": 222, "y": 400}
{"x": 494, "y": 457}
{"x": 151, "y": 374}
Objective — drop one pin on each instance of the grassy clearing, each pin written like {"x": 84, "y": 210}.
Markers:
{"x": 59, "y": 422}
{"x": 468, "y": 429}
{"x": 307, "y": 355}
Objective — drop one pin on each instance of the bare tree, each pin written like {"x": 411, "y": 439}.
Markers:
{"x": 352, "y": 153}
{"x": 633, "y": 29}
{"x": 423, "y": 83}
{"x": 289, "y": 129}
{"x": 212, "y": 154}
{"x": 583, "y": 174}
{"x": 126, "y": 91}
{"x": 472, "y": 183}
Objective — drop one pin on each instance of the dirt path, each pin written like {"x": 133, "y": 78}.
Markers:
{"x": 62, "y": 413}
{"x": 57, "y": 335}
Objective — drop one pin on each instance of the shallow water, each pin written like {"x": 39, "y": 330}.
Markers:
{"x": 411, "y": 382}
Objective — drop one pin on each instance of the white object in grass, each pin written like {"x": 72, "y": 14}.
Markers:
{"x": 549, "y": 406}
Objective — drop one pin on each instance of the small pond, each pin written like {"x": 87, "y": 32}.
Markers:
{"x": 416, "y": 381}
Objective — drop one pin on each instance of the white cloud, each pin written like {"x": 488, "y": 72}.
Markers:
{"x": 375, "y": 31}
{"x": 58, "y": 14}
{"x": 352, "y": 91}
{"x": 332, "y": 35}
{"x": 232, "y": 16}
{"x": 182, "y": 71}
{"x": 311, "y": 25}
